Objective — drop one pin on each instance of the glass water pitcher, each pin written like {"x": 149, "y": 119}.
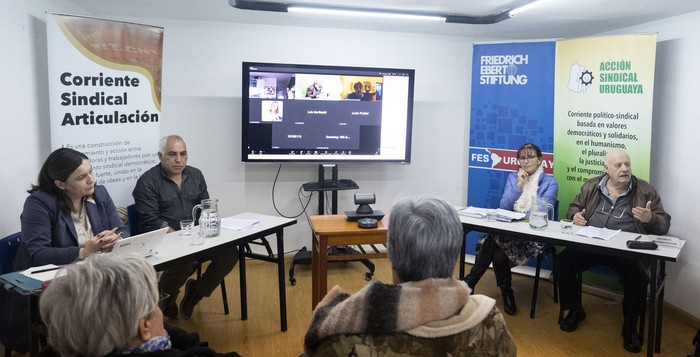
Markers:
{"x": 540, "y": 213}
{"x": 209, "y": 219}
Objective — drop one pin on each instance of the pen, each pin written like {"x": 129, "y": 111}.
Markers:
{"x": 110, "y": 231}
{"x": 639, "y": 236}
{"x": 45, "y": 270}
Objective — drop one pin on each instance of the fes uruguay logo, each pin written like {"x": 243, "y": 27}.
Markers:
{"x": 500, "y": 159}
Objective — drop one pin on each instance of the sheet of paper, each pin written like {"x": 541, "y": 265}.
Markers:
{"x": 42, "y": 273}
{"x": 238, "y": 224}
{"x": 598, "y": 233}
{"x": 475, "y": 212}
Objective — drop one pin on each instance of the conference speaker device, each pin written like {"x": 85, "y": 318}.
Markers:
{"x": 367, "y": 223}
{"x": 363, "y": 200}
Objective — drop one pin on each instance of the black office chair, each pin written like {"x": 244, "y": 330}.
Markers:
{"x": 132, "y": 219}
{"x": 8, "y": 250}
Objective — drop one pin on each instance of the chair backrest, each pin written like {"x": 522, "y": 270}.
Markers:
{"x": 133, "y": 219}
{"x": 8, "y": 249}
{"x": 555, "y": 211}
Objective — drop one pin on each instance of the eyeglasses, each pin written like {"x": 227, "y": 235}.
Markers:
{"x": 163, "y": 298}
{"x": 612, "y": 207}
{"x": 526, "y": 158}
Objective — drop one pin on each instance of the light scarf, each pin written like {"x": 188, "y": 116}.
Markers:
{"x": 385, "y": 309}
{"x": 529, "y": 195}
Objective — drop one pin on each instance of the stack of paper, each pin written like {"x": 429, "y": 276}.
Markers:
{"x": 476, "y": 212}
{"x": 238, "y": 224}
{"x": 501, "y": 214}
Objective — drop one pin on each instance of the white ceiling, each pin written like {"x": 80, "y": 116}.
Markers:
{"x": 555, "y": 19}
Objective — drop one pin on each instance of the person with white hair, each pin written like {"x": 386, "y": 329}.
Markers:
{"x": 426, "y": 311}
{"x": 615, "y": 200}
{"x": 108, "y": 306}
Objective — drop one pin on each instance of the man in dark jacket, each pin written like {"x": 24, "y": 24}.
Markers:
{"x": 165, "y": 195}
{"x": 616, "y": 200}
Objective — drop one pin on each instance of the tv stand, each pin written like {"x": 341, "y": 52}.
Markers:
{"x": 303, "y": 256}
{"x": 331, "y": 185}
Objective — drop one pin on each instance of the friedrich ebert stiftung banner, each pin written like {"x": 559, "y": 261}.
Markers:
{"x": 105, "y": 95}
{"x": 576, "y": 99}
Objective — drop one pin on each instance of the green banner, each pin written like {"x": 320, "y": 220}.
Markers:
{"x": 603, "y": 95}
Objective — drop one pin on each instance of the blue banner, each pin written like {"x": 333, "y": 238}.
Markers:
{"x": 512, "y": 104}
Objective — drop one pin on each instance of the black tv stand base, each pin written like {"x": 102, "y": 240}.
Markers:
{"x": 303, "y": 256}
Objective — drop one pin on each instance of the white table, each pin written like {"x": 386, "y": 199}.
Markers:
{"x": 176, "y": 249}
{"x": 653, "y": 261}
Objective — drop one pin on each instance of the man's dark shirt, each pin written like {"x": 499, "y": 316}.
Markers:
{"x": 613, "y": 216}
{"x": 159, "y": 201}
{"x": 365, "y": 97}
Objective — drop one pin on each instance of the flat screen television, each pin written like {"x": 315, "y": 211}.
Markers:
{"x": 314, "y": 113}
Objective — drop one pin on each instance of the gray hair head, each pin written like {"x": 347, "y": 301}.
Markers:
{"x": 614, "y": 154}
{"x": 425, "y": 235}
{"x": 96, "y": 306}
{"x": 164, "y": 141}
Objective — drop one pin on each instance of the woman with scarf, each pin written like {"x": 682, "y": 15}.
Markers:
{"x": 523, "y": 189}
{"x": 426, "y": 311}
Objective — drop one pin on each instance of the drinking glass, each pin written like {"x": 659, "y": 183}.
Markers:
{"x": 567, "y": 226}
{"x": 186, "y": 226}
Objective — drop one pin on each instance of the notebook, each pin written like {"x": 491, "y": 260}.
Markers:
{"x": 145, "y": 244}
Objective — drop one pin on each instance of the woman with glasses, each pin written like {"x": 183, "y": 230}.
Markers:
{"x": 523, "y": 189}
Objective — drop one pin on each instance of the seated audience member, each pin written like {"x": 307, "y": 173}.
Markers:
{"x": 165, "y": 195}
{"x": 67, "y": 217}
{"x": 426, "y": 311}
{"x": 523, "y": 189}
{"x": 108, "y": 306}
{"x": 616, "y": 200}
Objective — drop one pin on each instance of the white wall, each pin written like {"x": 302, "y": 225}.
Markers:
{"x": 201, "y": 100}
{"x": 202, "y": 90}
{"x": 674, "y": 154}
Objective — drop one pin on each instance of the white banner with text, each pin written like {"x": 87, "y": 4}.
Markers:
{"x": 105, "y": 96}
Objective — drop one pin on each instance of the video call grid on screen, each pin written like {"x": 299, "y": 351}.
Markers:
{"x": 322, "y": 113}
